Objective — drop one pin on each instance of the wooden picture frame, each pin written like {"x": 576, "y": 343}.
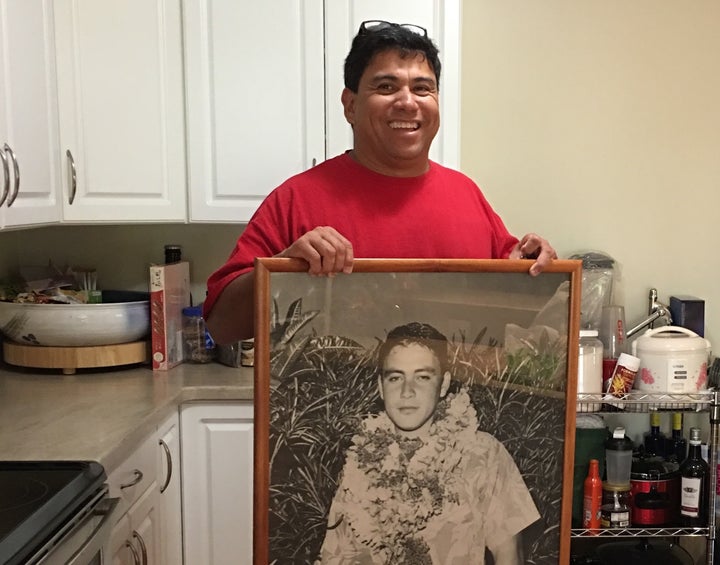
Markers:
{"x": 513, "y": 348}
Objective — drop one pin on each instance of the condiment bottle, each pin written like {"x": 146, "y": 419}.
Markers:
{"x": 592, "y": 497}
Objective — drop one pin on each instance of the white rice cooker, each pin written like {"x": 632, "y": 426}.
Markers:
{"x": 673, "y": 360}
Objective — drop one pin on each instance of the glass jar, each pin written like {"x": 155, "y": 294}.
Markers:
{"x": 198, "y": 346}
{"x": 590, "y": 367}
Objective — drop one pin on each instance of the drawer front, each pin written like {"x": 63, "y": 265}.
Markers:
{"x": 136, "y": 474}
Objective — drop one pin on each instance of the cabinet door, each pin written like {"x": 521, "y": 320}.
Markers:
{"x": 217, "y": 464}
{"x": 441, "y": 18}
{"x": 169, "y": 491}
{"x": 121, "y": 110}
{"x": 30, "y": 170}
{"x": 254, "y": 75}
{"x": 144, "y": 525}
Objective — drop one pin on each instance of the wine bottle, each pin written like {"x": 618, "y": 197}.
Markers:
{"x": 694, "y": 475}
{"x": 676, "y": 445}
{"x": 655, "y": 439}
{"x": 592, "y": 497}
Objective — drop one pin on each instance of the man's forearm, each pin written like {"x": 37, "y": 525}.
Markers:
{"x": 232, "y": 316}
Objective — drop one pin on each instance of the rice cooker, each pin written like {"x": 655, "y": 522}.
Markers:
{"x": 673, "y": 360}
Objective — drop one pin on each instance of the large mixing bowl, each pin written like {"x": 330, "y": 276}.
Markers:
{"x": 124, "y": 316}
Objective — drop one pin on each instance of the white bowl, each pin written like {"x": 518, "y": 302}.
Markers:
{"x": 124, "y": 318}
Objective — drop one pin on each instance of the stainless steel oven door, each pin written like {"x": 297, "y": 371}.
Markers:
{"x": 82, "y": 540}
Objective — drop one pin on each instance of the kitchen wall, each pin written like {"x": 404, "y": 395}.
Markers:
{"x": 594, "y": 123}
{"x": 121, "y": 254}
{"x": 597, "y": 124}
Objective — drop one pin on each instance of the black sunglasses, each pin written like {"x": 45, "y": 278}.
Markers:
{"x": 369, "y": 26}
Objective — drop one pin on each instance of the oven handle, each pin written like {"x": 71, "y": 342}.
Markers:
{"x": 107, "y": 509}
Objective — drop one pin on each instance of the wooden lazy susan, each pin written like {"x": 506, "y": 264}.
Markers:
{"x": 69, "y": 359}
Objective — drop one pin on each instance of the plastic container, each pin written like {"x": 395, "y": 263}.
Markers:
{"x": 198, "y": 346}
{"x": 618, "y": 457}
{"x": 590, "y": 366}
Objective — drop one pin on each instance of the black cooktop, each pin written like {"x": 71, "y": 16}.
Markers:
{"x": 37, "y": 497}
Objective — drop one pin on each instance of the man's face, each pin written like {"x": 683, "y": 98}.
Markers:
{"x": 395, "y": 114}
{"x": 411, "y": 384}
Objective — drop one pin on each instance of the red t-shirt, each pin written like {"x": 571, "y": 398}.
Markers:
{"x": 441, "y": 214}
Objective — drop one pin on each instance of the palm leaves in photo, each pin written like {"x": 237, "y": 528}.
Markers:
{"x": 324, "y": 392}
{"x": 326, "y": 385}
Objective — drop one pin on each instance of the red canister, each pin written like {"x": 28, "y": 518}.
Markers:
{"x": 655, "y": 486}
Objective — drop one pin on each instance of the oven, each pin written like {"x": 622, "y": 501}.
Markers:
{"x": 54, "y": 513}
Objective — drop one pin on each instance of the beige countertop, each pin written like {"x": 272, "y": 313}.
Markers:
{"x": 102, "y": 415}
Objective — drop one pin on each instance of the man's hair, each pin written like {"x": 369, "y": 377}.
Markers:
{"x": 373, "y": 40}
{"x": 416, "y": 333}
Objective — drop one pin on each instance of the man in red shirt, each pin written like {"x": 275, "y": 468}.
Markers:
{"x": 384, "y": 198}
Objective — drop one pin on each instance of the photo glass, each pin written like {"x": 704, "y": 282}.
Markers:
{"x": 375, "y": 452}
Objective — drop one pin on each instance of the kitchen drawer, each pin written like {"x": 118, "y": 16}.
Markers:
{"x": 136, "y": 474}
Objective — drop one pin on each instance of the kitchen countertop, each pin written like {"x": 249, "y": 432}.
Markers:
{"x": 102, "y": 415}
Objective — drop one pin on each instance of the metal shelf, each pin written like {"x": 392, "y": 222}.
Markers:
{"x": 638, "y": 401}
{"x": 638, "y": 532}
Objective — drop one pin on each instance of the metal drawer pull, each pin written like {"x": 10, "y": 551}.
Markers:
{"x": 72, "y": 177}
{"x": 6, "y": 176}
{"x": 143, "y": 548}
{"x": 136, "y": 479}
{"x": 168, "y": 458}
{"x": 16, "y": 170}
{"x": 136, "y": 557}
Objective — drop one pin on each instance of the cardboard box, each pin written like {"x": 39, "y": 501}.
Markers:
{"x": 169, "y": 294}
{"x": 688, "y": 312}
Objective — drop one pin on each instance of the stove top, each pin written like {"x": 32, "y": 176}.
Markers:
{"x": 36, "y": 497}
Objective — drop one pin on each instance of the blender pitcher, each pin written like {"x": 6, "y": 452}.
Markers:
{"x": 618, "y": 457}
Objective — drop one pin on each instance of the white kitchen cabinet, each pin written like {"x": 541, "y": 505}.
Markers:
{"x": 254, "y": 79}
{"x": 29, "y": 139}
{"x": 169, "y": 488}
{"x": 263, "y": 101}
{"x": 149, "y": 531}
{"x": 121, "y": 108}
{"x": 217, "y": 470}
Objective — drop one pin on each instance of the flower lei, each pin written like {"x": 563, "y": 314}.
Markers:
{"x": 399, "y": 483}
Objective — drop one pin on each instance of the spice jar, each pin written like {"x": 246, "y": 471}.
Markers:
{"x": 198, "y": 346}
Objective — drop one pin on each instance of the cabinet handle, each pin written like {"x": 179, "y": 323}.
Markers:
{"x": 143, "y": 547}
{"x": 16, "y": 170}
{"x": 72, "y": 177}
{"x": 6, "y": 176}
{"x": 168, "y": 458}
{"x": 136, "y": 479}
{"x": 135, "y": 556}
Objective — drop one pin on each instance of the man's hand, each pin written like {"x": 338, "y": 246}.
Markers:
{"x": 532, "y": 246}
{"x": 326, "y": 251}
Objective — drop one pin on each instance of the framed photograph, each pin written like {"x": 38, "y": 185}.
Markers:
{"x": 415, "y": 412}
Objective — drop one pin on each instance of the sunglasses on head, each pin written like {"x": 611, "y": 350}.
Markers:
{"x": 369, "y": 26}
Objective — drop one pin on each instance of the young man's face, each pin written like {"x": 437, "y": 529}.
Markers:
{"x": 395, "y": 114}
{"x": 411, "y": 384}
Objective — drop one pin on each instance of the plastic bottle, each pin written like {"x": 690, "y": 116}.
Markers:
{"x": 590, "y": 366}
{"x": 198, "y": 346}
{"x": 592, "y": 497}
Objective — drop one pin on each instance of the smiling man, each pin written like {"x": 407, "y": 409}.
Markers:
{"x": 420, "y": 483}
{"x": 383, "y": 198}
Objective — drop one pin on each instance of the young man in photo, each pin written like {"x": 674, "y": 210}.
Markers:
{"x": 420, "y": 483}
